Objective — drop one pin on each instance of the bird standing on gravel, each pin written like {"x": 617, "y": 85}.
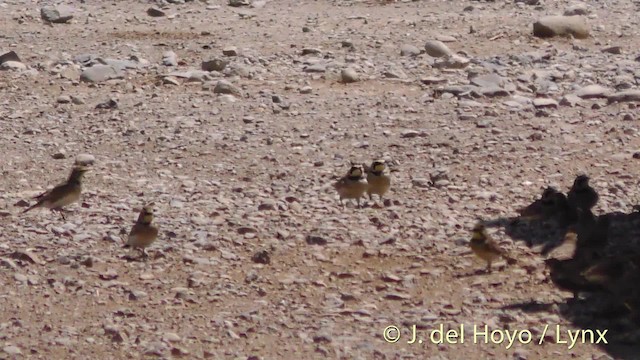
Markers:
{"x": 353, "y": 185}
{"x": 143, "y": 234}
{"x": 379, "y": 182}
{"x": 63, "y": 194}
{"x": 581, "y": 195}
{"x": 486, "y": 248}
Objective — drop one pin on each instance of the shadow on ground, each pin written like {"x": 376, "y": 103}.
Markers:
{"x": 608, "y": 302}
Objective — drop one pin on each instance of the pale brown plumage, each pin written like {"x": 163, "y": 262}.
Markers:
{"x": 353, "y": 185}
{"x": 63, "y": 194}
{"x": 143, "y": 234}
{"x": 378, "y": 181}
{"x": 486, "y": 248}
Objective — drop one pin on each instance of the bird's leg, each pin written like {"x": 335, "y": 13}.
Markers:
{"x": 488, "y": 266}
{"x": 358, "y": 201}
{"x": 61, "y": 212}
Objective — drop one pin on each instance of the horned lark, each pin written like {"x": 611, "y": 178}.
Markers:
{"x": 63, "y": 194}
{"x": 143, "y": 233}
{"x": 564, "y": 250}
{"x": 609, "y": 270}
{"x": 486, "y": 248}
{"x": 582, "y": 195}
{"x": 617, "y": 274}
{"x": 353, "y": 185}
{"x": 567, "y": 275}
{"x": 379, "y": 182}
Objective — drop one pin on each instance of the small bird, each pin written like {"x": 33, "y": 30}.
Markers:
{"x": 564, "y": 250}
{"x": 353, "y": 185}
{"x": 618, "y": 274}
{"x": 581, "y": 195}
{"x": 486, "y": 248}
{"x": 63, "y": 194}
{"x": 609, "y": 270}
{"x": 568, "y": 275}
{"x": 142, "y": 233}
{"x": 379, "y": 181}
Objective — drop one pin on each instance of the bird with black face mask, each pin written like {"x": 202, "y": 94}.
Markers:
{"x": 486, "y": 248}
{"x": 379, "y": 181}
{"x": 143, "y": 233}
{"x": 353, "y": 185}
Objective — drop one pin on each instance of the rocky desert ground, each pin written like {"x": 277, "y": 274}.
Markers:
{"x": 236, "y": 118}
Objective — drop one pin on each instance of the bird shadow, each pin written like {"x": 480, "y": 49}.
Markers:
{"x": 592, "y": 310}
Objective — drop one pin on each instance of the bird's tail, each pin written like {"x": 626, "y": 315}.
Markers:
{"x": 32, "y": 207}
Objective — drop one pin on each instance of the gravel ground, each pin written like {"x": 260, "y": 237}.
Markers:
{"x": 237, "y": 120}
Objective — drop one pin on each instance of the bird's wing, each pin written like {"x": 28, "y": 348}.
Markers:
{"x": 58, "y": 192}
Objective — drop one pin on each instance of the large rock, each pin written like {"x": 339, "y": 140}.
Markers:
{"x": 56, "y": 14}
{"x": 435, "y": 48}
{"x": 225, "y": 87}
{"x": 452, "y": 62}
{"x": 9, "y": 56}
{"x": 594, "y": 91}
{"x": 215, "y": 64}
{"x": 99, "y": 73}
{"x": 559, "y": 25}
{"x": 409, "y": 50}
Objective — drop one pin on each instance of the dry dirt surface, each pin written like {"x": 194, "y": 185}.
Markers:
{"x": 237, "y": 120}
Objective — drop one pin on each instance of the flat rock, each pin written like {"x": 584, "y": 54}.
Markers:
{"x": 493, "y": 91}
{"x": 9, "y": 56}
{"x": 225, "y": 87}
{"x": 238, "y": 3}
{"x": 100, "y": 73}
{"x": 594, "y": 91}
{"x": 560, "y": 25}
{"x": 452, "y": 62}
{"x": 432, "y": 80}
{"x": 409, "y": 50}
{"x": 488, "y": 80}
{"x": 155, "y": 12}
{"x": 624, "y": 96}
{"x": 56, "y": 14}
{"x": 12, "y": 350}
{"x": 315, "y": 68}
{"x": 214, "y": 64}
{"x": 545, "y": 103}
{"x": 615, "y": 50}
{"x": 230, "y": 51}
{"x": 13, "y": 66}
{"x": 570, "y": 100}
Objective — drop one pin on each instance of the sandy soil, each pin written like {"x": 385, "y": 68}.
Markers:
{"x": 236, "y": 174}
